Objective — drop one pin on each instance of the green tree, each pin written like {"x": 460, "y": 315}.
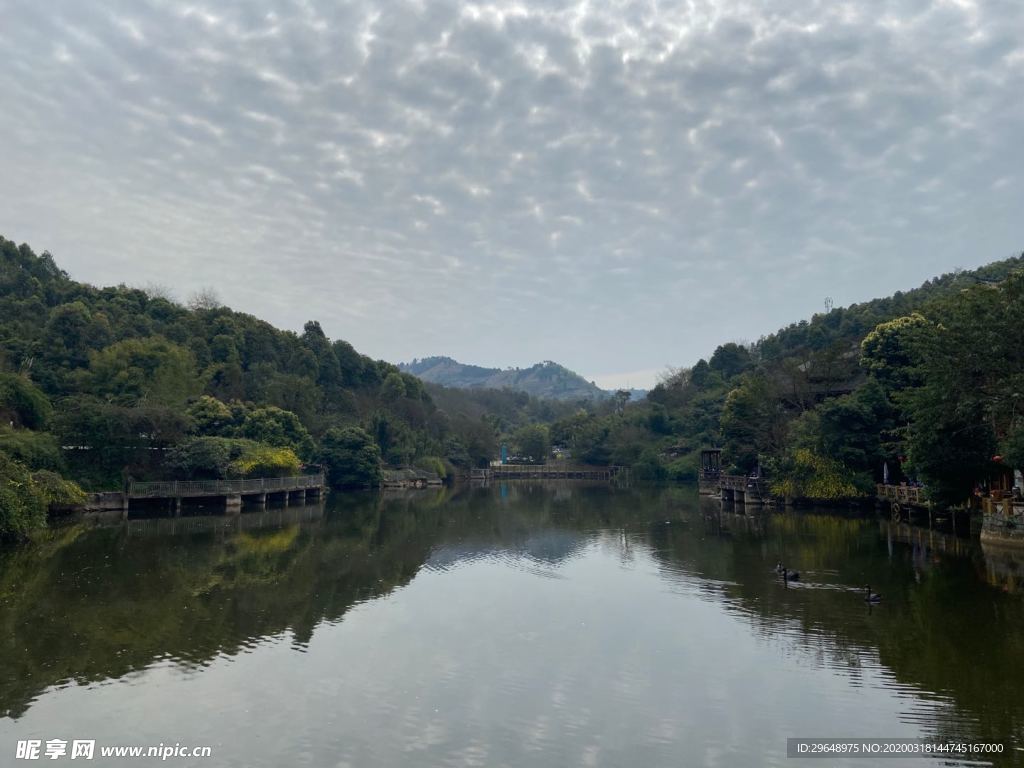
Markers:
{"x": 857, "y": 430}
{"x": 533, "y": 443}
{"x": 22, "y": 508}
{"x": 566, "y": 431}
{"x": 25, "y": 498}
{"x": 754, "y": 422}
{"x": 205, "y": 458}
{"x": 971, "y": 391}
{"x": 278, "y": 427}
{"x": 701, "y": 374}
{"x": 591, "y": 446}
{"x": 36, "y": 450}
{"x": 71, "y": 332}
{"x": 804, "y": 474}
{"x": 393, "y": 387}
{"x": 210, "y": 416}
{"x": 730, "y": 360}
{"x": 216, "y": 458}
{"x": 648, "y": 468}
{"x": 394, "y": 438}
{"x": 22, "y": 404}
{"x": 351, "y": 458}
{"x": 892, "y": 352}
{"x": 104, "y": 439}
{"x": 328, "y": 369}
{"x": 456, "y": 453}
{"x": 266, "y": 461}
{"x": 151, "y": 371}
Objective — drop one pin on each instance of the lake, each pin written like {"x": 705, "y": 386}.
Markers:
{"x": 518, "y": 625}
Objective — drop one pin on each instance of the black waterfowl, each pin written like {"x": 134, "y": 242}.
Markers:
{"x": 789, "y": 575}
{"x": 871, "y": 597}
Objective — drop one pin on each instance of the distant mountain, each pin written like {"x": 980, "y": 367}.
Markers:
{"x": 547, "y": 380}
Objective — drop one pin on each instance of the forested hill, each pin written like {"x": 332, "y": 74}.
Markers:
{"x": 927, "y": 381}
{"x": 544, "y": 380}
{"x": 95, "y": 382}
{"x": 849, "y": 325}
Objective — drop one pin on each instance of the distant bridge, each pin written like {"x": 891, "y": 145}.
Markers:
{"x": 547, "y": 472}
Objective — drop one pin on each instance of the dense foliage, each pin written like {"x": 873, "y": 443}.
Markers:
{"x": 351, "y": 458}
{"x": 25, "y": 497}
{"x": 101, "y": 383}
{"x": 218, "y": 458}
{"x": 928, "y": 384}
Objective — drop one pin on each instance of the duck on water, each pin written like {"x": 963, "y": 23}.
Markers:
{"x": 786, "y": 574}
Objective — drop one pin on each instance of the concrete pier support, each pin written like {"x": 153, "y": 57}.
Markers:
{"x": 167, "y": 497}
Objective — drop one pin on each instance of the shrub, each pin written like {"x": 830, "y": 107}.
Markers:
{"x": 205, "y": 458}
{"x": 210, "y": 416}
{"x": 23, "y": 403}
{"x": 266, "y": 461}
{"x": 38, "y": 450}
{"x": 351, "y": 457}
{"x": 216, "y": 458}
{"x": 56, "y": 490}
{"x": 25, "y": 498}
{"x": 683, "y": 469}
{"x": 806, "y": 475}
{"x": 433, "y": 465}
{"x": 648, "y": 467}
{"x": 277, "y": 427}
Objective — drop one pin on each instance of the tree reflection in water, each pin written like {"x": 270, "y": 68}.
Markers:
{"x": 98, "y": 602}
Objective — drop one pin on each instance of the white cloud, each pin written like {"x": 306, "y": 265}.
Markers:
{"x": 622, "y": 183}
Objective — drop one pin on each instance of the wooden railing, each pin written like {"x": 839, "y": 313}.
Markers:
{"x": 184, "y": 488}
{"x": 904, "y": 494}
{"x": 744, "y": 483}
{"x": 554, "y": 471}
{"x": 553, "y": 467}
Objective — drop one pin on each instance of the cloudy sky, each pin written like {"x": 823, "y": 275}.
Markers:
{"x": 617, "y": 185}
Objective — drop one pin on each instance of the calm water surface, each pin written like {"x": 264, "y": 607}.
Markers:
{"x": 511, "y": 626}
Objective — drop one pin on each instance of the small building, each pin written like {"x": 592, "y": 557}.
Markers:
{"x": 710, "y": 471}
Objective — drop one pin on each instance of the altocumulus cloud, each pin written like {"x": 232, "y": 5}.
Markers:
{"x": 617, "y": 185}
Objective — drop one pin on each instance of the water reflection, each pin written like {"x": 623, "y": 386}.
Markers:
{"x": 555, "y": 625}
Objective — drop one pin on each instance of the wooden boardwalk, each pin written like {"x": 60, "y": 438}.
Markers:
{"x": 189, "y": 489}
{"x": 547, "y": 472}
{"x": 900, "y": 496}
{"x": 741, "y": 489}
{"x": 230, "y": 493}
